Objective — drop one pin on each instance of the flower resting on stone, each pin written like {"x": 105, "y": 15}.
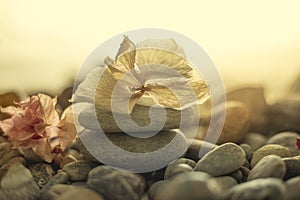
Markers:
{"x": 35, "y": 124}
{"x": 141, "y": 68}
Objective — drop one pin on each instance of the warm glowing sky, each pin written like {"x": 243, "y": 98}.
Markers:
{"x": 43, "y": 44}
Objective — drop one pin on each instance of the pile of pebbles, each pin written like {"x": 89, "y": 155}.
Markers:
{"x": 256, "y": 157}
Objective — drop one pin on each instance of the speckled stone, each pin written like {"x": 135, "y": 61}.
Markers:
{"x": 258, "y": 189}
{"x": 116, "y": 185}
{"x": 268, "y": 150}
{"x": 286, "y": 139}
{"x": 78, "y": 171}
{"x": 268, "y": 166}
{"x": 42, "y": 173}
{"x": 222, "y": 160}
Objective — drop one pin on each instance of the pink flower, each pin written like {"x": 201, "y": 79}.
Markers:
{"x": 35, "y": 124}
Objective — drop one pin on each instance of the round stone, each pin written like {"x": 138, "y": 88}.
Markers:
{"x": 268, "y": 150}
{"x": 178, "y": 169}
{"x": 78, "y": 171}
{"x": 155, "y": 190}
{"x": 258, "y": 189}
{"x": 222, "y": 160}
{"x": 268, "y": 166}
{"x": 286, "y": 139}
{"x": 172, "y": 165}
{"x": 79, "y": 194}
{"x": 191, "y": 185}
{"x": 116, "y": 185}
{"x": 135, "y": 154}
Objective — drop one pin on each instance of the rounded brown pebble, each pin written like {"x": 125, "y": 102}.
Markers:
{"x": 269, "y": 166}
{"x": 286, "y": 139}
{"x": 222, "y": 160}
{"x": 268, "y": 150}
{"x": 79, "y": 194}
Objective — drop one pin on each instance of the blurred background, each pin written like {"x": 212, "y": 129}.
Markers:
{"x": 43, "y": 43}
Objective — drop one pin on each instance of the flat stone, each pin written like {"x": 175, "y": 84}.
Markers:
{"x": 157, "y": 188}
{"x": 78, "y": 171}
{"x": 222, "y": 160}
{"x": 79, "y": 194}
{"x": 134, "y": 154}
{"x": 255, "y": 140}
{"x": 179, "y": 161}
{"x": 139, "y": 115}
{"x": 178, "y": 169}
{"x": 286, "y": 139}
{"x": 258, "y": 189}
{"x": 191, "y": 185}
{"x": 268, "y": 150}
{"x": 116, "y": 185}
{"x": 224, "y": 183}
{"x": 12, "y": 153}
{"x": 18, "y": 184}
{"x": 268, "y": 166}
{"x": 292, "y": 167}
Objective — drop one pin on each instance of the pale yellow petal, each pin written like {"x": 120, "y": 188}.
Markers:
{"x": 166, "y": 58}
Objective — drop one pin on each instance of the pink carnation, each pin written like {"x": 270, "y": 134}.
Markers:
{"x": 35, "y": 124}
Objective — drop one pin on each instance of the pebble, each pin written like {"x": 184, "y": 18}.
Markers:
{"x": 224, "y": 182}
{"x": 18, "y": 184}
{"x": 61, "y": 188}
{"x": 258, "y": 189}
{"x": 42, "y": 173}
{"x": 222, "y": 160}
{"x": 236, "y": 125}
{"x": 191, "y": 185}
{"x": 116, "y": 185}
{"x": 66, "y": 160}
{"x": 194, "y": 148}
{"x": 139, "y": 115}
{"x": 144, "y": 156}
{"x": 78, "y": 171}
{"x": 237, "y": 175}
{"x": 292, "y": 189}
{"x": 268, "y": 166}
{"x": 248, "y": 151}
{"x": 13, "y": 161}
{"x": 178, "y": 169}
{"x": 79, "y": 194}
{"x": 268, "y": 150}
{"x": 254, "y": 99}
{"x": 172, "y": 165}
{"x": 156, "y": 189}
{"x": 12, "y": 153}
{"x": 292, "y": 167}
{"x": 286, "y": 139}
{"x": 255, "y": 140}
